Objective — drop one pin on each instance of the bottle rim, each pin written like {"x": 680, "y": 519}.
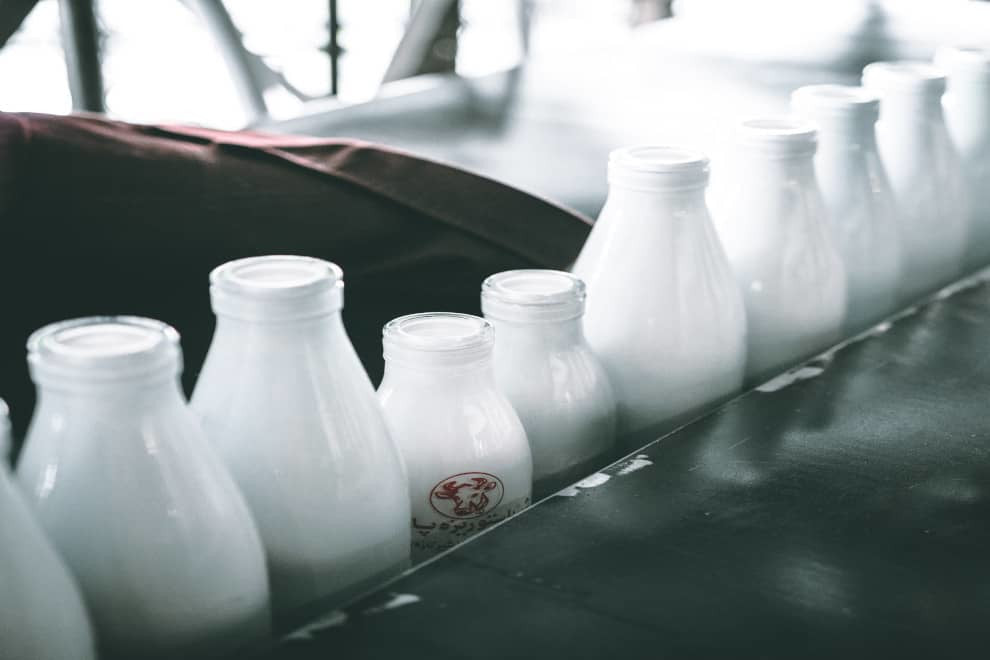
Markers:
{"x": 104, "y": 348}
{"x": 836, "y": 101}
{"x": 783, "y": 135}
{"x": 970, "y": 61}
{"x": 657, "y": 167}
{"x": 276, "y": 288}
{"x": 905, "y": 76}
{"x": 437, "y": 338}
{"x": 533, "y": 295}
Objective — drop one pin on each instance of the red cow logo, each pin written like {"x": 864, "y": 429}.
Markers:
{"x": 467, "y": 495}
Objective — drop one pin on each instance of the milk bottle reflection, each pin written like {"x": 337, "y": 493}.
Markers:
{"x": 664, "y": 313}
{"x": 123, "y": 480}
{"x": 925, "y": 172}
{"x": 465, "y": 450}
{"x": 284, "y": 398}
{"x": 544, "y": 365}
{"x": 774, "y": 227}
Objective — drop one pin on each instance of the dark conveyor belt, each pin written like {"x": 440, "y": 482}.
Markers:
{"x": 844, "y": 514}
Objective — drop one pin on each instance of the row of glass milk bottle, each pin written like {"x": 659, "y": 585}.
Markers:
{"x": 170, "y": 554}
{"x": 817, "y": 246}
{"x": 286, "y": 480}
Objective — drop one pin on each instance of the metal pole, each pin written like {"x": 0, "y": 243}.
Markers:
{"x": 81, "y": 42}
{"x": 334, "y": 49}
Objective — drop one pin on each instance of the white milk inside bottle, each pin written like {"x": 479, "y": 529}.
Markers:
{"x": 287, "y": 403}
{"x": 858, "y": 196}
{"x": 664, "y": 314}
{"x": 544, "y": 365}
{"x": 465, "y": 450}
{"x": 774, "y": 227}
{"x": 144, "y": 514}
{"x": 967, "y": 112}
{"x": 925, "y": 172}
{"x": 42, "y": 616}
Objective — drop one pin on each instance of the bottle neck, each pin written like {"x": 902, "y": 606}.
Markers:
{"x": 853, "y": 133}
{"x": 554, "y": 335}
{"x": 970, "y": 102}
{"x": 476, "y": 373}
{"x": 775, "y": 166}
{"x": 125, "y": 396}
{"x": 680, "y": 199}
{"x": 317, "y": 330}
{"x": 907, "y": 107}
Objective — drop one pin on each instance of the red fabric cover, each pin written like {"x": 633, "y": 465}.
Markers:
{"x": 102, "y": 217}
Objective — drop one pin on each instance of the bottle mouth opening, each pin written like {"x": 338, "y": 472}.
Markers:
{"x": 824, "y": 102}
{"x": 276, "y": 287}
{"x": 533, "y": 295}
{"x": 904, "y": 76}
{"x": 104, "y": 348}
{"x": 657, "y": 167}
{"x": 437, "y": 337}
{"x": 658, "y": 158}
{"x": 778, "y": 135}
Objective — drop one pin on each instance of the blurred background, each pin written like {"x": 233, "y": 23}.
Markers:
{"x": 532, "y": 92}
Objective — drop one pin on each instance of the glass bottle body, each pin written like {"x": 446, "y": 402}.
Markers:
{"x": 858, "y": 197}
{"x": 774, "y": 227}
{"x": 147, "y": 518}
{"x": 966, "y": 107}
{"x": 292, "y": 413}
{"x": 561, "y": 393}
{"x": 465, "y": 450}
{"x": 925, "y": 172}
{"x": 663, "y": 314}
{"x": 42, "y": 615}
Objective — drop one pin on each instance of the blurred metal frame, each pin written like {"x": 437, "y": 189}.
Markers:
{"x": 81, "y": 43}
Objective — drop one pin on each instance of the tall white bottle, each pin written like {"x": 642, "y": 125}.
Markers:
{"x": 663, "y": 313}
{"x": 544, "y": 365}
{"x": 967, "y": 112}
{"x": 858, "y": 196}
{"x": 925, "y": 172}
{"x": 467, "y": 454}
{"x": 285, "y": 400}
{"x": 774, "y": 227}
{"x": 42, "y": 616}
{"x": 120, "y": 476}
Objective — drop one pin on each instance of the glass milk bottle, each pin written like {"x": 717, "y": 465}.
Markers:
{"x": 966, "y": 105}
{"x": 858, "y": 197}
{"x": 42, "y": 616}
{"x": 925, "y": 173}
{"x": 143, "y": 513}
{"x": 465, "y": 449}
{"x": 774, "y": 227}
{"x": 543, "y": 364}
{"x": 287, "y": 403}
{"x": 663, "y": 313}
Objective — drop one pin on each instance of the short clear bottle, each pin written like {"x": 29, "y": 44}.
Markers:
{"x": 664, "y": 314}
{"x": 925, "y": 172}
{"x": 860, "y": 202}
{"x": 290, "y": 409}
{"x": 543, "y": 364}
{"x": 774, "y": 226}
{"x": 966, "y": 106}
{"x": 465, "y": 449}
{"x": 121, "y": 477}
